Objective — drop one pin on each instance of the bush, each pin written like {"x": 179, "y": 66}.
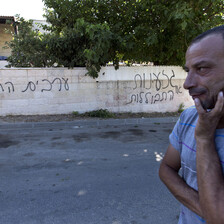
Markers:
{"x": 102, "y": 113}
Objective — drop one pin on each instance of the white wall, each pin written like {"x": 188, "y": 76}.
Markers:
{"x": 61, "y": 90}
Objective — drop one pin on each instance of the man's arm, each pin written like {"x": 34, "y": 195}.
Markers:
{"x": 209, "y": 169}
{"x": 168, "y": 173}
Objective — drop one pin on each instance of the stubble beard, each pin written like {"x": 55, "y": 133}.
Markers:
{"x": 208, "y": 104}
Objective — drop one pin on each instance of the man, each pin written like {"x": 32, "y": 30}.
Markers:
{"x": 197, "y": 141}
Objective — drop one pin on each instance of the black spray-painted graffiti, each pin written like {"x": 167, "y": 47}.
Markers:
{"x": 155, "y": 82}
{"x": 32, "y": 86}
{"x": 9, "y": 85}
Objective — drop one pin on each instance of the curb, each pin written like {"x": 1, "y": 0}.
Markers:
{"x": 79, "y": 123}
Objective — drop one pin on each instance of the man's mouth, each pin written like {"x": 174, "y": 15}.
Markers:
{"x": 196, "y": 94}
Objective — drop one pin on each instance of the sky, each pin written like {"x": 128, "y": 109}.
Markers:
{"x": 29, "y": 9}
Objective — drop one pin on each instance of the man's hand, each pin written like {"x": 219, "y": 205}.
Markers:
{"x": 209, "y": 170}
{"x": 208, "y": 121}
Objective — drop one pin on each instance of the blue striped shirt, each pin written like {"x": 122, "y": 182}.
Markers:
{"x": 182, "y": 139}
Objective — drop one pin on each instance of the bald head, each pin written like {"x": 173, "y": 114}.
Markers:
{"x": 214, "y": 31}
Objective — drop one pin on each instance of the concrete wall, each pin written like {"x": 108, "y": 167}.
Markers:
{"x": 55, "y": 91}
{"x": 5, "y": 37}
{"x": 3, "y": 63}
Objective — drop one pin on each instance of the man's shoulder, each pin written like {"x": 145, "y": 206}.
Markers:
{"x": 184, "y": 129}
{"x": 189, "y": 111}
{"x": 189, "y": 116}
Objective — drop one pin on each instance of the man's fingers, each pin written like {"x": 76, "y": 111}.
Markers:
{"x": 220, "y": 102}
{"x": 219, "y": 106}
{"x": 198, "y": 106}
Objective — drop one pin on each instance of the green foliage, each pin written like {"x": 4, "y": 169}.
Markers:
{"x": 75, "y": 113}
{"x": 83, "y": 45}
{"x": 28, "y": 47}
{"x": 180, "y": 108}
{"x": 147, "y": 30}
{"x": 92, "y": 33}
{"x": 102, "y": 113}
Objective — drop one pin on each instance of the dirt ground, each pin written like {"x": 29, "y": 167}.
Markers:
{"x": 72, "y": 117}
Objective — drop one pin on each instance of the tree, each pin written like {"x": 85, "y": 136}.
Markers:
{"x": 92, "y": 33}
{"x": 84, "y": 44}
{"x": 27, "y": 47}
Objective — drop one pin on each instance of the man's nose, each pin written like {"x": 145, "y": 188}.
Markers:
{"x": 190, "y": 81}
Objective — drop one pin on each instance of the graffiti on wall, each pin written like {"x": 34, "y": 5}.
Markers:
{"x": 60, "y": 83}
{"x": 154, "y": 88}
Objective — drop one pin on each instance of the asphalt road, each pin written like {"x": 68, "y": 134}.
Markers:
{"x": 85, "y": 172}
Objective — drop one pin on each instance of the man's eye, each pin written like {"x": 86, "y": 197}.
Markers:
{"x": 202, "y": 69}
